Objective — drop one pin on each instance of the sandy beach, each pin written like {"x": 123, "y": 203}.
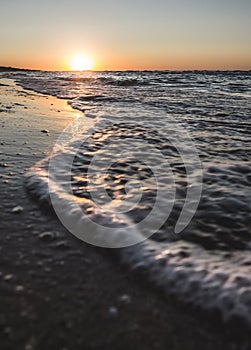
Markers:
{"x": 58, "y": 292}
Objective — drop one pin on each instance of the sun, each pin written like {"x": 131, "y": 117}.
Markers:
{"x": 81, "y": 62}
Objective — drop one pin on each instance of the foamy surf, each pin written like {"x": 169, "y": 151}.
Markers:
{"x": 111, "y": 170}
{"x": 207, "y": 263}
{"x": 212, "y": 280}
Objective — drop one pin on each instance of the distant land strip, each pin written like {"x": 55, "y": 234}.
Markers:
{"x": 13, "y": 69}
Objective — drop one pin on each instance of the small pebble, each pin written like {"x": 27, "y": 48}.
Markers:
{"x": 61, "y": 245}
{"x": 17, "y": 209}
{"x": 46, "y": 236}
{"x": 113, "y": 311}
{"x": 4, "y": 165}
{"x": 19, "y": 289}
{"x": 125, "y": 299}
{"x": 8, "y": 277}
{"x": 30, "y": 345}
{"x": 45, "y": 131}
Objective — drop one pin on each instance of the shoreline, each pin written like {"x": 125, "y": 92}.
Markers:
{"x": 75, "y": 293}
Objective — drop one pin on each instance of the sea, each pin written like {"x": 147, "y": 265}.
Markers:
{"x": 157, "y": 168}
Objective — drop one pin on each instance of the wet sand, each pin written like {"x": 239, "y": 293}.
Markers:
{"x": 58, "y": 292}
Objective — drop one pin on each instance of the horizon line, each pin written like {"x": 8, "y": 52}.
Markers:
{"x": 122, "y": 70}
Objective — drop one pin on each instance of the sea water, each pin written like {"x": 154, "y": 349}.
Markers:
{"x": 161, "y": 162}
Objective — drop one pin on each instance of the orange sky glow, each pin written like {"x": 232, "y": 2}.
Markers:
{"x": 133, "y": 35}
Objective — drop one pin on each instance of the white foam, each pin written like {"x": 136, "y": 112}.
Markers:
{"x": 211, "y": 280}
{"x": 202, "y": 278}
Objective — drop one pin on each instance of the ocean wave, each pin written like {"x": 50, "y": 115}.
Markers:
{"x": 208, "y": 263}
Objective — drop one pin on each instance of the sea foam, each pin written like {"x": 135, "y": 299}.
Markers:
{"x": 208, "y": 262}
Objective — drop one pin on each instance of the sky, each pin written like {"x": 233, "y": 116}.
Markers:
{"x": 128, "y": 34}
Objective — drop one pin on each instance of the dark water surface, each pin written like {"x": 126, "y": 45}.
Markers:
{"x": 208, "y": 263}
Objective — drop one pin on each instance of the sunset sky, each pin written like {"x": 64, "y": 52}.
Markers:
{"x": 128, "y": 34}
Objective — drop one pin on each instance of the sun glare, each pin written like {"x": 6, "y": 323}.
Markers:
{"x": 80, "y": 63}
